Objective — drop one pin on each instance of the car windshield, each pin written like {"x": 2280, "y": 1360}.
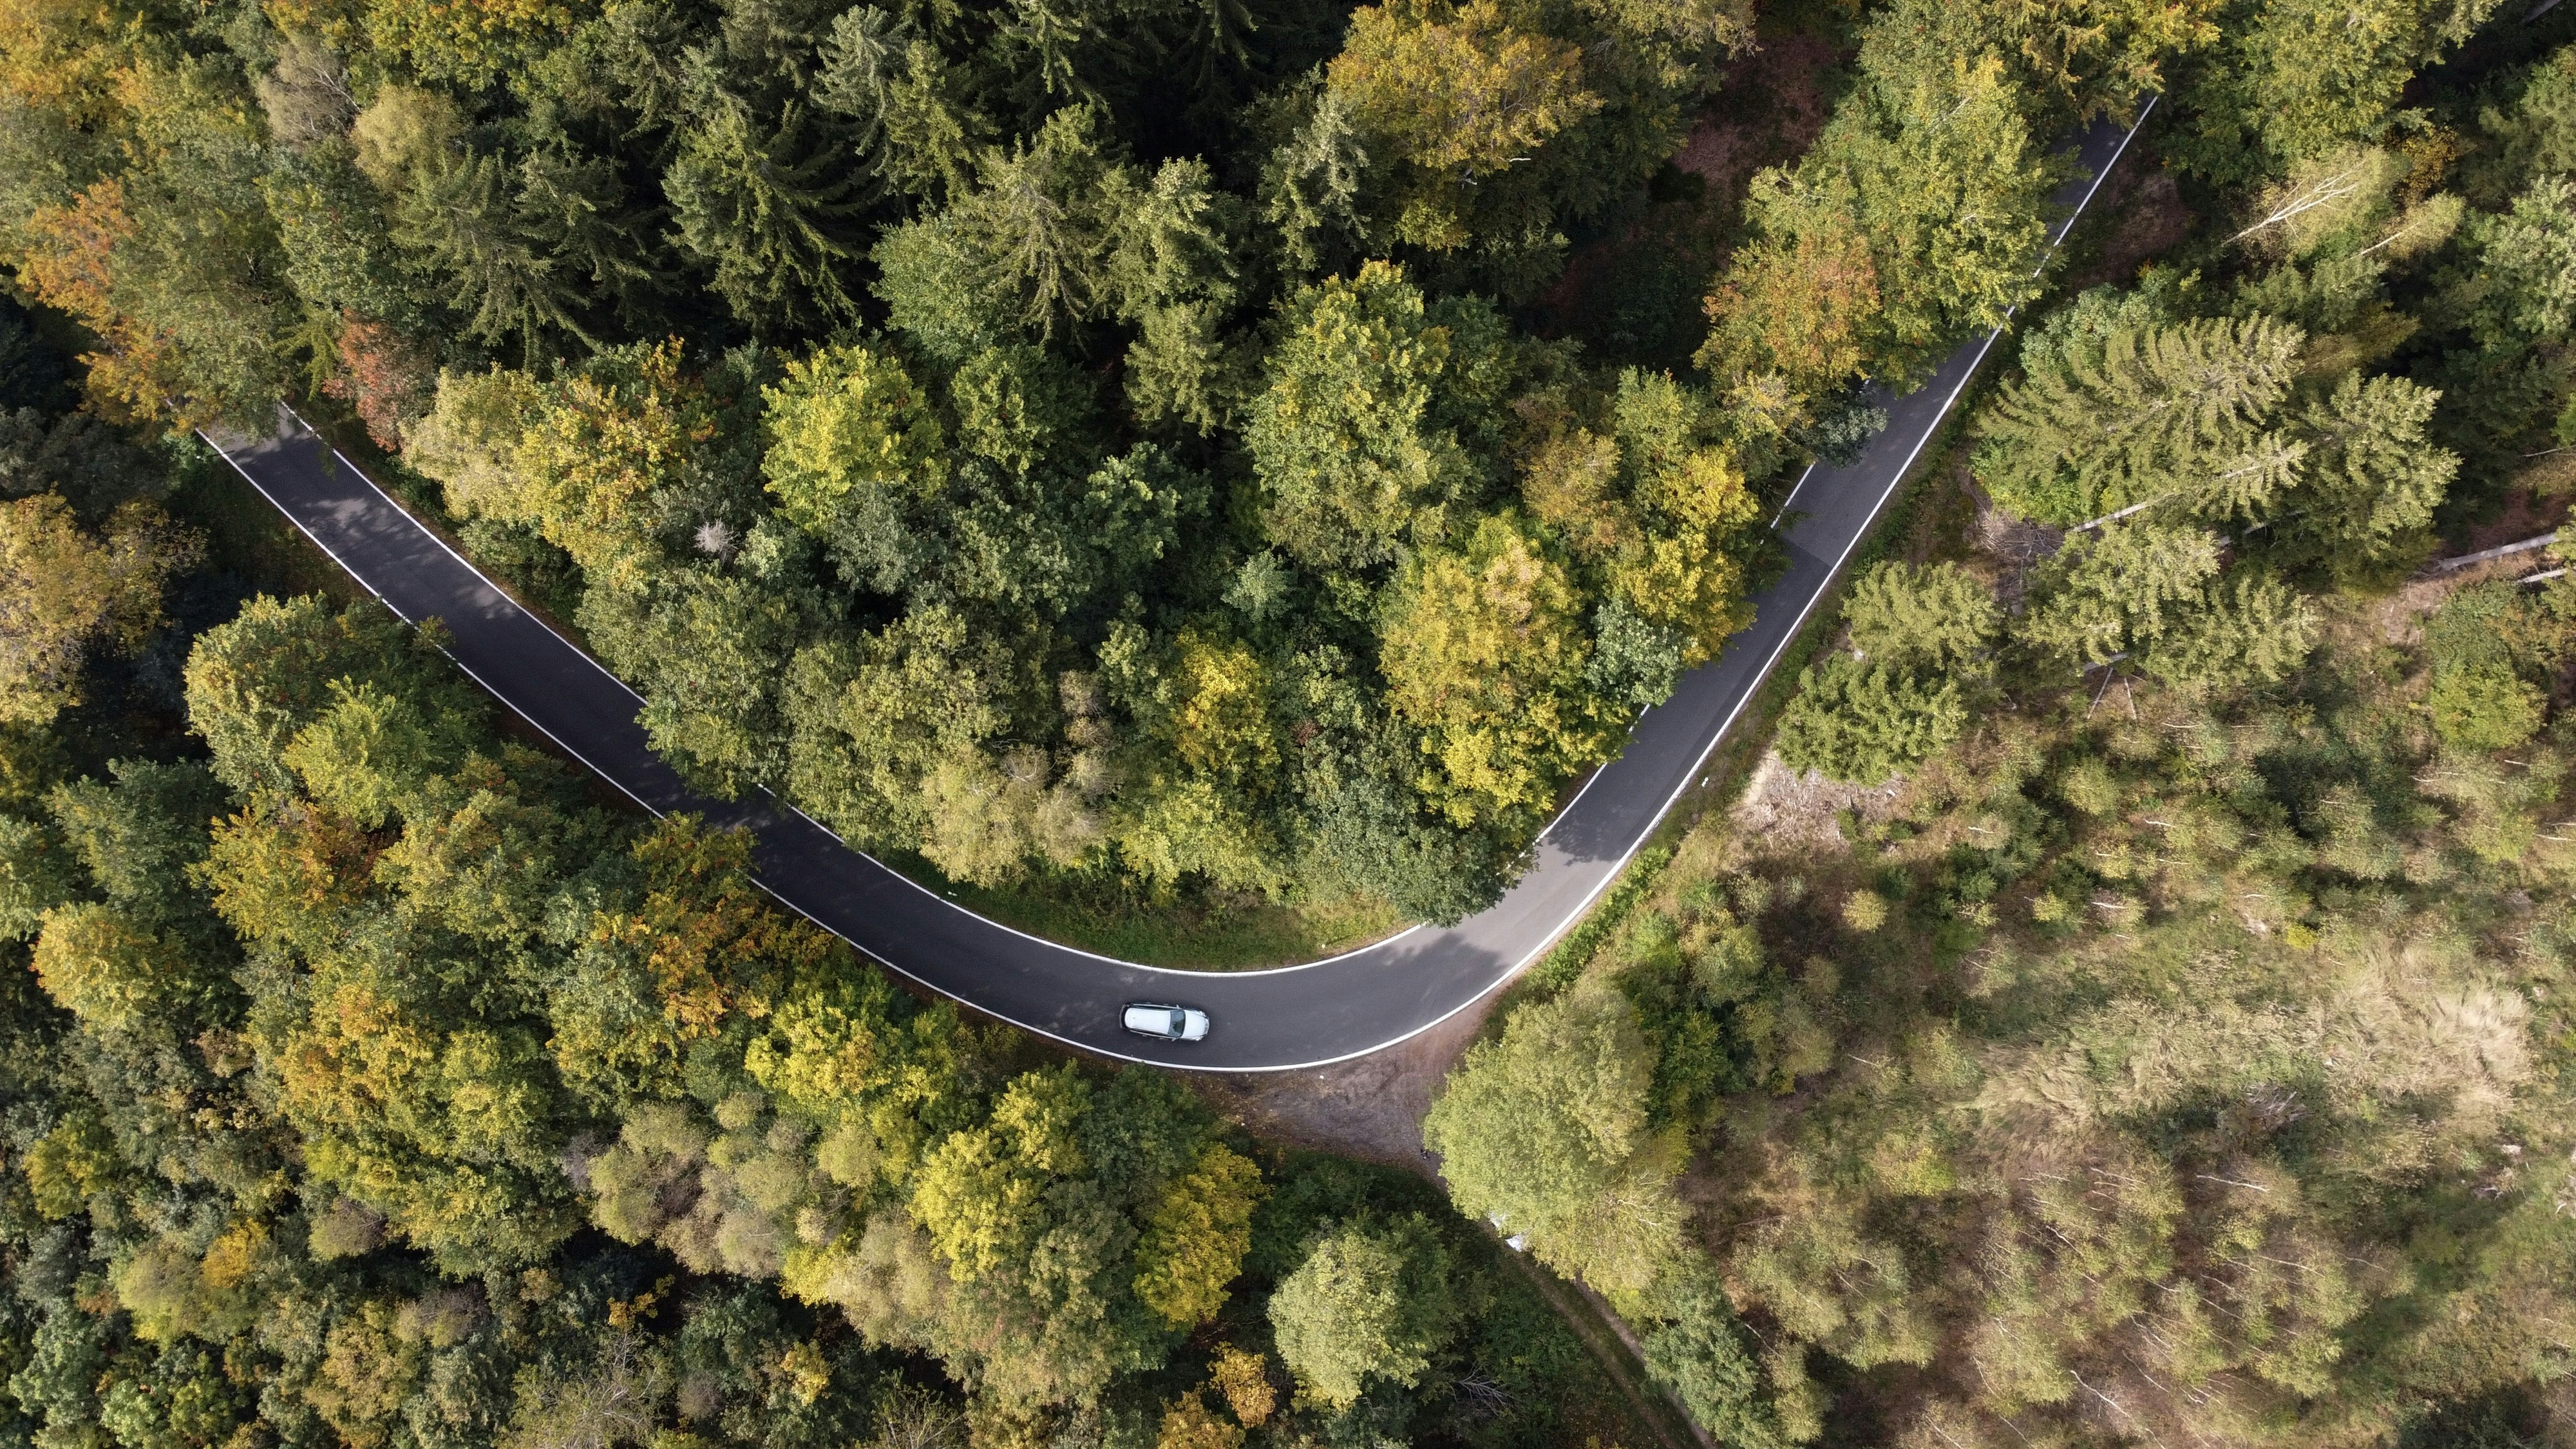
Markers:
{"x": 1180, "y": 1020}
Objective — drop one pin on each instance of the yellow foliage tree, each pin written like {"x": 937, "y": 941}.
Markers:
{"x": 470, "y": 441}
{"x": 823, "y": 1054}
{"x": 1458, "y": 90}
{"x": 68, "y": 1166}
{"x": 1223, "y": 719}
{"x": 1188, "y": 1423}
{"x": 100, "y": 968}
{"x": 1196, "y": 1236}
{"x": 1244, "y": 1380}
{"x": 598, "y": 449}
{"x": 979, "y": 1196}
{"x": 844, "y": 419}
{"x": 288, "y": 875}
{"x": 1569, "y": 482}
{"x": 712, "y": 944}
{"x": 472, "y": 42}
{"x": 62, "y": 56}
{"x": 1484, "y": 651}
{"x": 446, "y": 1130}
{"x": 63, "y": 591}
{"x": 1800, "y": 301}
{"x": 1169, "y": 826}
{"x": 1684, "y": 573}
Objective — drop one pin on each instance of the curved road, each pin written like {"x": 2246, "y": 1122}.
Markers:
{"x": 1293, "y": 1016}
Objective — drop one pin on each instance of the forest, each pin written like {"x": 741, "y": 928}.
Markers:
{"x": 1061, "y": 480}
{"x": 2130, "y": 1005}
{"x": 368, "y": 1081}
{"x": 1022, "y": 465}
{"x": 1199, "y": 457}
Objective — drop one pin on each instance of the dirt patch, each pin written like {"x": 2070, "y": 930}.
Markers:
{"x": 2145, "y": 219}
{"x": 2526, "y": 514}
{"x": 2549, "y": 475}
{"x": 1769, "y": 108}
{"x": 2400, "y": 616}
{"x": 2016, "y": 545}
{"x": 1782, "y": 808}
{"x": 1371, "y": 1108}
{"x": 2137, "y": 218}
{"x": 2153, "y": 222}
{"x": 1634, "y": 293}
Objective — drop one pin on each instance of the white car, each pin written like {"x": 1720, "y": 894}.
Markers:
{"x": 1168, "y": 1023}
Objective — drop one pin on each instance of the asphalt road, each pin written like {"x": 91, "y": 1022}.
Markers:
{"x": 1292, "y": 1016}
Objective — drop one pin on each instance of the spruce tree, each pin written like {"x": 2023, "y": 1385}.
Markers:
{"x": 2250, "y": 628}
{"x": 2119, "y": 590}
{"x": 1862, "y": 723}
{"x": 766, "y": 205}
{"x": 459, "y": 217}
{"x": 2373, "y": 478}
{"x": 2167, "y": 410}
{"x": 1938, "y": 615}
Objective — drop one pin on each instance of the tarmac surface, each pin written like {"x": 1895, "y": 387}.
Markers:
{"x": 1288, "y": 1017}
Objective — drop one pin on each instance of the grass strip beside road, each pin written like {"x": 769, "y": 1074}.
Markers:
{"x": 1566, "y": 962}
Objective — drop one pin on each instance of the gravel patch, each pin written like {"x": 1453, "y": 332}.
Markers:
{"x": 1369, "y": 1108}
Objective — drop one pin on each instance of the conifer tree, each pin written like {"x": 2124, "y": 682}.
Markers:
{"x": 2171, "y": 410}
{"x": 1921, "y": 641}
{"x": 1311, "y": 186}
{"x": 2250, "y": 628}
{"x": 2373, "y": 477}
{"x": 1865, "y": 722}
{"x": 766, "y": 205}
{"x": 460, "y": 218}
{"x": 2119, "y": 589}
{"x": 1702, "y": 1355}
{"x": 1939, "y": 615}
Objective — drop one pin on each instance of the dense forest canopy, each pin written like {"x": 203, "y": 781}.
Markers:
{"x": 1071, "y": 441}
{"x": 1018, "y": 459}
{"x": 1140, "y": 444}
{"x": 2159, "y": 1034}
{"x": 394, "y": 1092}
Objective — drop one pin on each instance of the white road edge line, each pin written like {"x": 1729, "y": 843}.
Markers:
{"x": 1583, "y": 907}
{"x": 604, "y": 672}
{"x": 1755, "y": 687}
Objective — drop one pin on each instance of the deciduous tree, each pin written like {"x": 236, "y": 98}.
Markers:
{"x": 1351, "y": 460}
{"x": 1545, "y": 1133}
{"x": 1371, "y": 1301}
{"x": 1195, "y": 1236}
{"x": 65, "y": 592}
{"x": 1484, "y": 651}
{"x": 1457, "y": 92}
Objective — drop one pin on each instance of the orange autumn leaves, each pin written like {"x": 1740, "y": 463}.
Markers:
{"x": 713, "y": 943}
{"x": 70, "y": 263}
